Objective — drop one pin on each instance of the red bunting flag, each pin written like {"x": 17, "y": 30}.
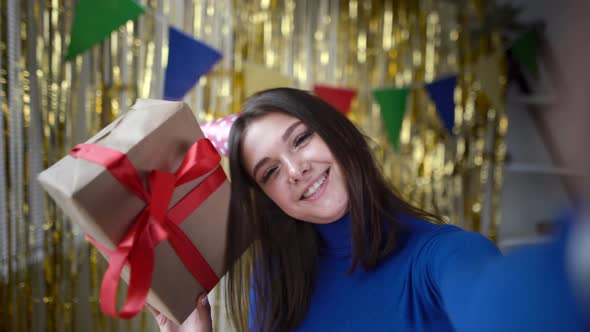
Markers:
{"x": 340, "y": 98}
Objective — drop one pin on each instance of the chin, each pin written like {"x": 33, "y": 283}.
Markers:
{"x": 340, "y": 214}
{"x": 327, "y": 218}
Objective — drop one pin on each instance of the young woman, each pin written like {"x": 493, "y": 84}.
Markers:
{"x": 335, "y": 248}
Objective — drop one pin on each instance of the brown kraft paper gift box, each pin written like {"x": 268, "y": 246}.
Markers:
{"x": 154, "y": 134}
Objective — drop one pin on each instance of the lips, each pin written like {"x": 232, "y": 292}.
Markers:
{"x": 316, "y": 186}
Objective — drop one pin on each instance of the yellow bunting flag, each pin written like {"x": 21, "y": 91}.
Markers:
{"x": 258, "y": 78}
{"x": 488, "y": 72}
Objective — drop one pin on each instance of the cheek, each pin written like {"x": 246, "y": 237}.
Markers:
{"x": 281, "y": 197}
{"x": 277, "y": 195}
{"x": 341, "y": 185}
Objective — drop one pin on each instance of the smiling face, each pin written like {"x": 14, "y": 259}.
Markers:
{"x": 295, "y": 168}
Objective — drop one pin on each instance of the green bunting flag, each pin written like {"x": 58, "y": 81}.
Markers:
{"x": 94, "y": 21}
{"x": 393, "y": 107}
{"x": 524, "y": 50}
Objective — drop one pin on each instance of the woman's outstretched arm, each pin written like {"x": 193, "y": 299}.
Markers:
{"x": 481, "y": 290}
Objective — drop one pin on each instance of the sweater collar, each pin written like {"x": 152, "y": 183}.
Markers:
{"x": 336, "y": 237}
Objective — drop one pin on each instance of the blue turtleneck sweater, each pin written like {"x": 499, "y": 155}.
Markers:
{"x": 411, "y": 290}
{"x": 440, "y": 279}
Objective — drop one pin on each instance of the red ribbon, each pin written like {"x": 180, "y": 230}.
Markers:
{"x": 155, "y": 223}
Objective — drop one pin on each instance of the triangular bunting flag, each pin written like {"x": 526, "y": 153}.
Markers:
{"x": 524, "y": 50}
{"x": 258, "y": 78}
{"x": 217, "y": 132}
{"x": 393, "y": 108}
{"x": 488, "y": 71}
{"x": 95, "y": 20}
{"x": 339, "y": 98}
{"x": 188, "y": 60}
{"x": 442, "y": 93}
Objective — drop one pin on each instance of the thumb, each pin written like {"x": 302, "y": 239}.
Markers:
{"x": 160, "y": 319}
{"x": 204, "y": 323}
{"x": 151, "y": 309}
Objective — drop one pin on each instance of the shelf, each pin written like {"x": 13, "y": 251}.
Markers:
{"x": 537, "y": 100}
{"x": 517, "y": 242}
{"x": 531, "y": 168}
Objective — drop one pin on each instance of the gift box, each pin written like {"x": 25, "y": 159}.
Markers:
{"x": 150, "y": 194}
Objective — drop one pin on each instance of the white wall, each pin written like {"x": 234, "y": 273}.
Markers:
{"x": 533, "y": 192}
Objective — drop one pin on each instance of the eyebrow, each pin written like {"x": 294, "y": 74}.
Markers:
{"x": 290, "y": 130}
{"x": 285, "y": 136}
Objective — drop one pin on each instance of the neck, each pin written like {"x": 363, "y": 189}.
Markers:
{"x": 336, "y": 236}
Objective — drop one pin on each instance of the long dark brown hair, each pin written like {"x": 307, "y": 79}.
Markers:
{"x": 277, "y": 275}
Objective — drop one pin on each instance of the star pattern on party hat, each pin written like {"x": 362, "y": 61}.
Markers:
{"x": 217, "y": 132}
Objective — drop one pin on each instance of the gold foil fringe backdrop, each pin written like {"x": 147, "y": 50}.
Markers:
{"x": 49, "y": 276}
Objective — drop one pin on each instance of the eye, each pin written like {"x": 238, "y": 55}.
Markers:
{"x": 268, "y": 173}
{"x": 302, "y": 138}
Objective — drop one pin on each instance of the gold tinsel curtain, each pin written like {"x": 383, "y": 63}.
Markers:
{"x": 49, "y": 276}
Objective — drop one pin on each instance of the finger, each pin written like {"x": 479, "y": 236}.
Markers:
{"x": 160, "y": 319}
{"x": 152, "y": 309}
{"x": 204, "y": 314}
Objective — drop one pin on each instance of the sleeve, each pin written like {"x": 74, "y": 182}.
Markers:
{"x": 481, "y": 290}
{"x": 456, "y": 260}
{"x": 528, "y": 290}
{"x": 252, "y": 311}
{"x": 253, "y": 325}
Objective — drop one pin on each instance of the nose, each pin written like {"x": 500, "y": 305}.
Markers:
{"x": 298, "y": 169}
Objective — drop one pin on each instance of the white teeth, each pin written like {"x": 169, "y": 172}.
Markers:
{"x": 312, "y": 189}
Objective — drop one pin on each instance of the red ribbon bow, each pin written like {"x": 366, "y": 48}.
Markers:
{"x": 155, "y": 223}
